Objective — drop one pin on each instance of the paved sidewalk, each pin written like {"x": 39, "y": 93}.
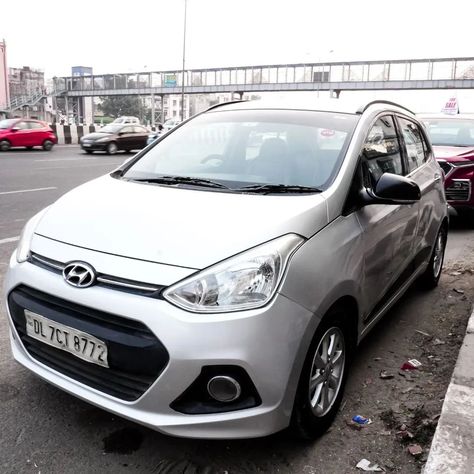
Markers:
{"x": 452, "y": 449}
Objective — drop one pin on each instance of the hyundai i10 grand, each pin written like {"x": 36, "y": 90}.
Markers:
{"x": 217, "y": 284}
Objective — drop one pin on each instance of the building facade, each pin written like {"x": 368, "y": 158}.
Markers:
{"x": 25, "y": 81}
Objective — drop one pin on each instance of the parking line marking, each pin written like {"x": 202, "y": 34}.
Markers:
{"x": 9, "y": 239}
{"x": 27, "y": 190}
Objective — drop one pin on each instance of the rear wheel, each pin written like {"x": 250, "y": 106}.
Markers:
{"x": 48, "y": 145}
{"x": 111, "y": 148}
{"x": 4, "y": 145}
{"x": 430, "y": 277}
{"x": 322, "y": 380}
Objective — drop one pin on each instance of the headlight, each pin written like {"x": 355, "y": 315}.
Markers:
{"x": 246, "y": 281}
{"x": 23, "y": 249}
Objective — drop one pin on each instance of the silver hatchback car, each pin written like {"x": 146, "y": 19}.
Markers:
{"x": 216, "y": 284}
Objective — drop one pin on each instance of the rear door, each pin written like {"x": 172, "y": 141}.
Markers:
{"x": 37, "y": 133}
{"x": 388, "y": 230}
{"x": 141, "y": 136}
{"x": 425, "y": 171}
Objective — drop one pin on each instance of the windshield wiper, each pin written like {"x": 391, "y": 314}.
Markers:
{"x": 279, "y": 188}
{"x": 182, "y": 180}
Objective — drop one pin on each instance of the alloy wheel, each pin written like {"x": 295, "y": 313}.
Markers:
{"x": 327, "y": 371}
{"x": 438, "y": 254}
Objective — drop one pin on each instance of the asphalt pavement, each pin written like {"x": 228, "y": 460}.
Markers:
{"x": 45, "y": 430}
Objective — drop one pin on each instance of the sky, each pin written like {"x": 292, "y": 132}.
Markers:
{"x": 126, "y": 36}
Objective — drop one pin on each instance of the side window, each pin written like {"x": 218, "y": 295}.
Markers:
{"x": 35, "y": 125}
{"x": 381, "y": 151}
{"x": 22, "y": 125}
{"x": 127, "y": 130}
{"x": 416, "y": 148}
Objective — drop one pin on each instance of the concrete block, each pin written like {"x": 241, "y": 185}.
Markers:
{"x": 464, "y": 370}
{"x": 452, "y": 449}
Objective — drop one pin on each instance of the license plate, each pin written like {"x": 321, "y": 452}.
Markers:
{"x": 77, "y": 343}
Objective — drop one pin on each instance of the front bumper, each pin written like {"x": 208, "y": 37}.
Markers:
{"x": 268, "y": 343}
{"x": 94, "y": 146}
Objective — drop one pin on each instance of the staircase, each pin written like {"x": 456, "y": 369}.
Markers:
{"x": 23, "y": 100}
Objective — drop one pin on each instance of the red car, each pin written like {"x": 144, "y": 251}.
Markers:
{"x": 452, "y": 137}
{"x": 26, "y": 132}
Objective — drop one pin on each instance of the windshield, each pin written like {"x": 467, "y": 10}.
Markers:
{"x": 450, "y": 132}
{"x": 110, "y": 129}
{"x": 4, "y": 124}
{"x": 245, "y": 147}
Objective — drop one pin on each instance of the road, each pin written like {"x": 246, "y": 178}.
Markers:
{"x": 45, "y": 430}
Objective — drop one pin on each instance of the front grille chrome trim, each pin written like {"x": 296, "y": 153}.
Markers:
{"x": 145, "y": 289}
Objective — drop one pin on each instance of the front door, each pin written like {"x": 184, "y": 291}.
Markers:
{"x": 387, "y": 229}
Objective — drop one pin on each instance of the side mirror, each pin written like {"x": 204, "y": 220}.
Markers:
{"x": 15, "y": 129}
{"x": 121, "y": 133}
{"x": 392, "y": 189}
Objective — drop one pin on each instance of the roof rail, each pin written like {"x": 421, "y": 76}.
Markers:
{"x": 225, "y": 103}
{"x": 363, "y": 108}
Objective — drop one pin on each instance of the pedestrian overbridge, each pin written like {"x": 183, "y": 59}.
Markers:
{"x": 433, "y": 73}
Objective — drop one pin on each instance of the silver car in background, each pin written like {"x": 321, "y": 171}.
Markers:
{"x": 221, "y": 288}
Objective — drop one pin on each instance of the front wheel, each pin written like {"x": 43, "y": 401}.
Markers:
{"x": 48, "y": 145}
{"x": 322, "y": 380}
{"x": 111, "y": 148}
{"x": 430, "y": 278}
{"x": 4, "y": 145}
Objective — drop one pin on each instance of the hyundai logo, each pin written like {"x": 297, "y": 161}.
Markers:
{"x": 79, "y": 274}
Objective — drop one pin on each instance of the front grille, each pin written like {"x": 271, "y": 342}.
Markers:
{"x": 136, "y": 357}
{"x": 459, "y": 190}
{"x": 108, "y": 281}
{"x": 445, "y": 166}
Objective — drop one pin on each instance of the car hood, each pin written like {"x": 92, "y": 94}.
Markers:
{"x": 454, "y": 153}
{"x": 96, "y": 135}
{"x": 176, "y": 226}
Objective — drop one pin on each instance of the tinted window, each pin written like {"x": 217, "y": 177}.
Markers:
{"x": 414, "y": 143}
{"x": 381, "y": 151}
{"x": 253, "y": 147}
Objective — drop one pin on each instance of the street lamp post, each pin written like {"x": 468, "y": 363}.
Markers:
{"x": 184, "y": 60}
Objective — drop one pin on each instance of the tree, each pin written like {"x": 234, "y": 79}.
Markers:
{"x": 123, "y": 105}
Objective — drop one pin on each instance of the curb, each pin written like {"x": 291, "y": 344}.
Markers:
{"x": 452, "y": 449}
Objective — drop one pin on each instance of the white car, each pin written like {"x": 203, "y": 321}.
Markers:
{"x": 125, "y": 119}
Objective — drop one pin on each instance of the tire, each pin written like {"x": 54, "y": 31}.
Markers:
{"x": 112, "y": 148}
{"x": 311, "y": 418}
{"x": 89, "y": 152}
{"x": 48, "y": 145}
{"x": 4, "y": 145}
{"x": 430, "y": 278}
